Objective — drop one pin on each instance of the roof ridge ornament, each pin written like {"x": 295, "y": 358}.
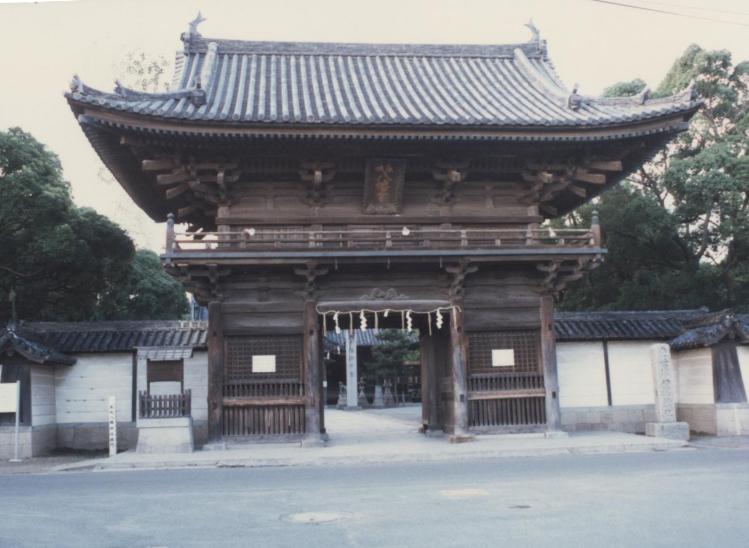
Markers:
{"x": 575, "y": 100}
{"x": 192, "y": 28}
{"x": 534, "y": 31}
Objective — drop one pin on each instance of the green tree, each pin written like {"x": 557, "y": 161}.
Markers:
{"x": 678, "y": 230}
{"x": 64, "y": 262}
{"x": 396, "y": 346}
{"x": 148, "y": 293}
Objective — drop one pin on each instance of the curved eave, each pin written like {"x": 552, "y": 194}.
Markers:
{"x": 669, "y": 123}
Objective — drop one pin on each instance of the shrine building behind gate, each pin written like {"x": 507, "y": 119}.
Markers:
{"x": 339, "y": 186}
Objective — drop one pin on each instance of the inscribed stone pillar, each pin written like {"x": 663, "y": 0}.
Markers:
{"x": 665, "y": 397}
{"x": 351, "y": 369}
{"x": 549, "y": 357}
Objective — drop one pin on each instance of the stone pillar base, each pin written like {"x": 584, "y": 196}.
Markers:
{"x": 669, "y": 430}
{"x": 173, "y": 435}
{"x": 315, "y": 440}
{"x": 554, "y": 434}
{"x": 461, "y": 438}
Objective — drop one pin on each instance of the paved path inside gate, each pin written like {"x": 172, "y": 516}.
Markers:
{"x": 376, "y": 436}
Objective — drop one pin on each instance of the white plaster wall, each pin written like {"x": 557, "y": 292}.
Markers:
{"x": 582, "y": 374}
{"x": 43, "y": 395}
{"x": 196, "y": 379}
{"x": 694, "y": 376}
{"x": 743, "y": 352}
{"x": 631, "y": 373}
{"x": 82, "y": 390}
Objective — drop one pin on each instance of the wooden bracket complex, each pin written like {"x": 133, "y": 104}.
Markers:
{"x": 318, "y": 175}
{"x": 310, "y": 273}
{"x": 450, "y": 174}
{"x": 198, "y": 186}
{"x": 459, "y": 272}
{"x": 549, "y": 179}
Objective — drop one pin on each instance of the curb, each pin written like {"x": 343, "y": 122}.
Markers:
{"x": 104, "y": 465}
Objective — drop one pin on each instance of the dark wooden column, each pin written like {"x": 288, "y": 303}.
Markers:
{"x": 215, "y": 372}
{"x": 312, "y": 377}
{"x": 430, "y": 395}
{"x": 459, "y": 365}
{"x": 549, "y": 357}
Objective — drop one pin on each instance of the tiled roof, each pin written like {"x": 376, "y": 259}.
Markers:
{"x": 282, "y": 83}
{"x": 712, "y": 329}
{"x": 121, "y": 336}
{"x": 11, "y": 341}
{"x": 623, "y": 325}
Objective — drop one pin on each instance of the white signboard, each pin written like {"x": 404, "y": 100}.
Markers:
{"x": 112, "y": 420}
{"x": 264, "y": 363}
{"x": 9, "y": 397}
{"x": 503, "y": 357}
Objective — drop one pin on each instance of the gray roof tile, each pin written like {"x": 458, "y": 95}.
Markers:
{"x": 283, "y": 83}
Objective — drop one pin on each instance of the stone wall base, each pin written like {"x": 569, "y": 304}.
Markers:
{"x": 732, "y": 419}
{"x": 94, "y": 436}
{"x": 669, "y": 430}
{"x": 33, "y": 441}
{"x": 701, "y": 417}
{"x": 170, "y": 435}
{"x": 619, "y": 418}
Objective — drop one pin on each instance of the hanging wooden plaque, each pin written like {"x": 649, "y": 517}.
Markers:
{"x": 383, "y": 186}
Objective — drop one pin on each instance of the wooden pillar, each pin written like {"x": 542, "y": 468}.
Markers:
{"x": 312, "y": 377}
{"x": 549, "y": 358}
{"x": 430, "y": 401}
{"x": 215, "y": 372}
{"x": 459, "y": 365}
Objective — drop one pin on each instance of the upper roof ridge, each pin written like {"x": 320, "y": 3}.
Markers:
{"x": 199, "y": 44}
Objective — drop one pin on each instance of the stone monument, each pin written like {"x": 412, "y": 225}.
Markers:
{"x": 342, "y": 397}
{"x": 666, "y": 425}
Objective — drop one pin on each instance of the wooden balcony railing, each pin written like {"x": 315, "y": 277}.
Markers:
{"x": 165, "y": 405}
{"x": 376, "y": 239}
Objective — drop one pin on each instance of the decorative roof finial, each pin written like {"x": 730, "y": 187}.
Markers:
{"x": 192, "y": 30}
{"x": 534, "y": 30}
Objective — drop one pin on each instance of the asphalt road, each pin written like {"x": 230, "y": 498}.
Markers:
{"x": 675, "y": 498}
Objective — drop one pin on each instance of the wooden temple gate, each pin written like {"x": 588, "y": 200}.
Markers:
{"x": 378, "y": 185}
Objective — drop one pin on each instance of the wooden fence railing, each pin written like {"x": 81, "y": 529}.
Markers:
{"x": 396, "y": 238}
{"x": 504, "y": 382}
{"x": 506, "y": 401}
{"x": 165, "y": 405}
{"x": 266, "y": 388}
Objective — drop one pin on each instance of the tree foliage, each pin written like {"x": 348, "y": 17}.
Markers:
{"x": 678, "y": 231}
{"x": 64, "y": 262}
{"x": 396, "y": 346}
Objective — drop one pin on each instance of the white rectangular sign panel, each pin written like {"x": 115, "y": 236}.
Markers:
{"x": 8, "y": 397}
{"x": 503, "y": 357}
{"x": 264, "y": 363}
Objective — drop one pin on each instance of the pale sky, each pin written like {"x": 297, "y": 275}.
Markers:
{"x": 43, "y": 44}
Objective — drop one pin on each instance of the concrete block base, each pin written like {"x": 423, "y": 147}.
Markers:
{"x": 668, "y": 430}
{"x": 173, "y": 435}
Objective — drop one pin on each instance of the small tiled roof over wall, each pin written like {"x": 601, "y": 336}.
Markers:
{"x": 123, "y": 336}
{"x": 623, "y": 325}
